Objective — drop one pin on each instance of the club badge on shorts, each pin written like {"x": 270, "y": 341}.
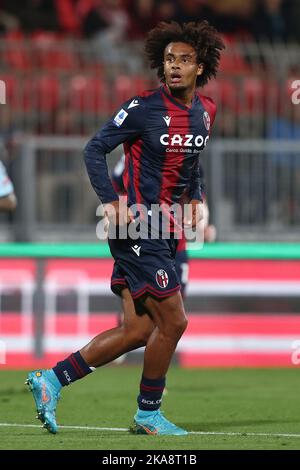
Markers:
{"x": 162, "y": 278}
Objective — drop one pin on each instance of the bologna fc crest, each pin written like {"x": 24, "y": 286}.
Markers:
{"x": 162, "y": 278}
{"x": 206, "y": 120}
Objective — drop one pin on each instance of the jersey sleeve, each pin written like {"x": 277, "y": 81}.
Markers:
{"x": 126, "y": 125}
{"x": 6, "y": 186}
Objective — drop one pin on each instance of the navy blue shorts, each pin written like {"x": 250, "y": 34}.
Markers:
{"x": 146, "y": 267}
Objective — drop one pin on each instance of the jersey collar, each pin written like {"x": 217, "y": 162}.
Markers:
{"x": 177, "y": 103}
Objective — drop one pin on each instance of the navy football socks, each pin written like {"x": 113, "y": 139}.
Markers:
{"x": 71, "y": 369}
{"x": 151, "y": 391}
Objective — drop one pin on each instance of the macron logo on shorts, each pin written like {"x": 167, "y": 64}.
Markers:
{"x": 136, "y": 249}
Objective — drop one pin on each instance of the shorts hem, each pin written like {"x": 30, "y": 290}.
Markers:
{"x": 117, "y": 285}
{"x": 147, "y": 289}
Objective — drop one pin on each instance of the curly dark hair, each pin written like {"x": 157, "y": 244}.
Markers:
{"x": 203, "y": 37}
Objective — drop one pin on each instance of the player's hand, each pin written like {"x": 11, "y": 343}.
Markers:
{"x": 193, "y": 213}
{"x": 210, "y": 233}
{"x": 118, "y": 213}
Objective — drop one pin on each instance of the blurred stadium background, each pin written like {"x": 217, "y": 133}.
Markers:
{"x": 67, "y": 66}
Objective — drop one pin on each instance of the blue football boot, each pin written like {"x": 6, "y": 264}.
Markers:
{"x": 154, "y": 423}
{"x": 45, "y": 388}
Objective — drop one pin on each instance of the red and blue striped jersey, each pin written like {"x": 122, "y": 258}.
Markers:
{"x": 162, "y": 141}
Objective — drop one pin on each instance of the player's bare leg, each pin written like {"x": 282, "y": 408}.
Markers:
{"x": 132, "y": 334}
{"x": 46, "y": 384}
{"x": 171, "y": 322}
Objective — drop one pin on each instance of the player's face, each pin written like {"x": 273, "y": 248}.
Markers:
{"x": 180, "y": 66}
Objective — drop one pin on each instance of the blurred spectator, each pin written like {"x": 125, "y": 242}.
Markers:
{"x": 165, "y": 10}
{"x": 274, "y": 20}
{"x": 189, "y": 10}
{"x": 68, "y": 12}
{"x": 270, "y": 21}
{"x": 8, "y": 22}
{"x": 142, "y": 18}
{"x": 107, "y": 18}
{"x": 291, "y": 11}
{"x": 229, "y": 16}
{"x": 145, "y": 14}
{"x": 33, "y": 14}
{"x": 107, "y": 23}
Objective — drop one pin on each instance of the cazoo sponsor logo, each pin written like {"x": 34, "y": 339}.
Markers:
{"x": 187, "y": 140}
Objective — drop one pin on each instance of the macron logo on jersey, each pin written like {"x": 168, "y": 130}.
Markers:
{"x": 167, "y": 120}
{"x": 120, "y": 117}
{"x": 133, "y": 104}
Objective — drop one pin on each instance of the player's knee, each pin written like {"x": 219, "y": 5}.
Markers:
{"x": 177, "y": 327}
{"x": 181, "y": 325}
{"x": 138, "y": 336}
{"x": 144, "y": 336}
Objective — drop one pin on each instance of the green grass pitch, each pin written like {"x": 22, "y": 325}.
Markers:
{"x": 231, "y": 408}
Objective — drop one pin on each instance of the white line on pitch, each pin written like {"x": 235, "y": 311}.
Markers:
{"x": 200, "y": 433}
{"x": 86, "y": 428}
{"x": 243, "y": 434}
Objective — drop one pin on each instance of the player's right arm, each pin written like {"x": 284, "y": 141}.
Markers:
{"x": 8, "y": 200}
{"x": 126, "y": 125}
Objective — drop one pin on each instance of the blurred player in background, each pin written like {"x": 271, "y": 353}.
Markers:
{"x": 163, "y": 132}
{"x": 8, "y": 200}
